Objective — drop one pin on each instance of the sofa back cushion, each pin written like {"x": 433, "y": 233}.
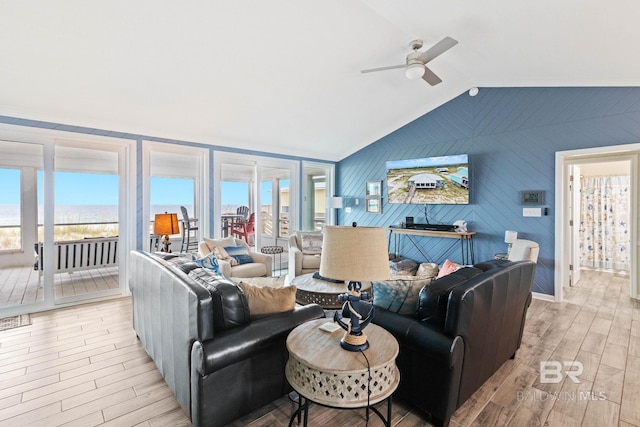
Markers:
{"x": 229, "y": 305}
{"x": 433, "y": 298}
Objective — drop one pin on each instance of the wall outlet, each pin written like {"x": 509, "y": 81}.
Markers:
{"x": 347, "y": 209}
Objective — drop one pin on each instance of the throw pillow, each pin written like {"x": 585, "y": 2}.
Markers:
{"x": 433, "y": 299}
{"x": 401, "y": 266}
{"x": 224, "y": 255}
{"x": 210, "y": 262}
{"x": 218, "y": 243}
{"x": 311, "y": 243}
{"x": 240, "y": 254}
{"x": 266, "y": 300}
{"x": 447, "y": 268}
{"x": 398, "y": 295}
{"x": 427, "y": 269}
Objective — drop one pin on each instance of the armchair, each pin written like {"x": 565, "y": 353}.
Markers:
{"x": 305, "y": 249}
{"x": 261, "y": 265}
{"x": 524, "y": 250}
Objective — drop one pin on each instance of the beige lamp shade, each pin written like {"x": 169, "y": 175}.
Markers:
{"x": 510, "y": 236}
{"x": 356, "y": 254}
{"x": 336, "y": 202}
{"x": 166, "y": 223}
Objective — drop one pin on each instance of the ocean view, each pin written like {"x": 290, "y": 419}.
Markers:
{"x": 69, "y": 214}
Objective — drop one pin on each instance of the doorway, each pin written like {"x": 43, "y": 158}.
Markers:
{"x": 572, "y": 251}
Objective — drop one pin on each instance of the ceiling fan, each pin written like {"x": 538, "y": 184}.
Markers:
{"x": 415, "y": 66}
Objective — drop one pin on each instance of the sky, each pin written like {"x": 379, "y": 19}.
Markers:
{"x": 73, "y": 188}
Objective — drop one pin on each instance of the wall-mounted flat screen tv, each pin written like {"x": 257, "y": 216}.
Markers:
{"x": 440, "y": 180}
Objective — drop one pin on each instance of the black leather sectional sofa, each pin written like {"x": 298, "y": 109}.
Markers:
{"x": 466, "y": 326}
{"x": 197, "y": 328}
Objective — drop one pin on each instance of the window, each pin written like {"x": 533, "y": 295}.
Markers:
{"x": 10, "y": 208}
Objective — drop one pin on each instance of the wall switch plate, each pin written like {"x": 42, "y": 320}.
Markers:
{"x": 531, "y": 211}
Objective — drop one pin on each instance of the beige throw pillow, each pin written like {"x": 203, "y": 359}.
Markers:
{"x": 266, "y": 300}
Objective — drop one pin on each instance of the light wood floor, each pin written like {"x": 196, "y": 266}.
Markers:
{"x": 20, "y": 285}
{"x": 84, "y": 366}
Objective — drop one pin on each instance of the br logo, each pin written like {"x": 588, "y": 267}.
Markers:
{"x": 551, "y": 372}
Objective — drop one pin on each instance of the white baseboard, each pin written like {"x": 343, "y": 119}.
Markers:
{"x": 544, "y": 297}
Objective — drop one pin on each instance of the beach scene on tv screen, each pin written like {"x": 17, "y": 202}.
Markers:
{"x": 431, "y": 180}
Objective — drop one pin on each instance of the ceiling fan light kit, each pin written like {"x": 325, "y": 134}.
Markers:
{"x": 416, "y": 62}
{"x": 414, "y": 71}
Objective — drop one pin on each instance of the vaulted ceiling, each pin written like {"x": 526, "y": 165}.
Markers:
{"x": 284, "y": 75}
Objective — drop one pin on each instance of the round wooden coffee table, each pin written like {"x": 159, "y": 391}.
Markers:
{"x": 315, "y": 291}
{"x": 323, "y": 372}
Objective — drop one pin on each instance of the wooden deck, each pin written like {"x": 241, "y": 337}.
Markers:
{"x": 84, "y": 366}
{"x": 19, "y": 285}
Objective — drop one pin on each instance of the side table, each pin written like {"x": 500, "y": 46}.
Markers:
{"x": 324, "y": 373}
{"x": 273, "y": 250}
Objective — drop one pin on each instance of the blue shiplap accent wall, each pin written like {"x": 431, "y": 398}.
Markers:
{"x": 511, "y": 136}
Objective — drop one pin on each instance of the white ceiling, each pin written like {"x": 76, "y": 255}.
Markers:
{"x": 284, "y": 75}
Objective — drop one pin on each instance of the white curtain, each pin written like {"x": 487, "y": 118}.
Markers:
{"x": 604, "y": 222}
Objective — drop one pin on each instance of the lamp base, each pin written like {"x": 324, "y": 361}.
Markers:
{"x": 354, "y": 342}
{"x": 165, "y": 244}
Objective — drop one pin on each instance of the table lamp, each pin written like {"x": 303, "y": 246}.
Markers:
{"x": 166, "y": 224}
{"x": 510, "y": 238}
{"x": 354, "y": 254}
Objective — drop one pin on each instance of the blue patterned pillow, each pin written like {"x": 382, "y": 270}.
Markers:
{"x": 239, "y": 253}
{"x": 210, "y": 261}
{"x": 398, "y": 295}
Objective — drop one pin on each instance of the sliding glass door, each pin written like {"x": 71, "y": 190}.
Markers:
{"x": 317, "y": 188}
{"x": 87, "y": 206}
{"x": 275, "y": 208}
{"x": 265, "y": 187}
{"x": 175, "y": 177}
{"x": 20, "y": 277}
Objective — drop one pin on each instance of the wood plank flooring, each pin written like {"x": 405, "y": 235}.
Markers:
{"x": 20, "y": 285}
{"x": 84, "y": 366}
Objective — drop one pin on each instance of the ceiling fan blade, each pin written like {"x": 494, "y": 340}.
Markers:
{"x": 437, "y": 49}
{"x": 391, "y": 67}
{"x": 430, "y": 77}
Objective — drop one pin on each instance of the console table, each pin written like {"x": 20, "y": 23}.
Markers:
{"x": 324, "y": 373}
{"x": 465, "y": 239}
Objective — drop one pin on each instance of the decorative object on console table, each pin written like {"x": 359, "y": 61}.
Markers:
{"x": 166, "y": 224}
{"x": 373, "y": 197}
{"x": 355, "y": 254}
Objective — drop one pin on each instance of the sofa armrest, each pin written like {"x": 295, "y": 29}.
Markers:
{"x": 420, "y": 336}
{"x": 240, "y": 343}
{"x": 265, "y": 259}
